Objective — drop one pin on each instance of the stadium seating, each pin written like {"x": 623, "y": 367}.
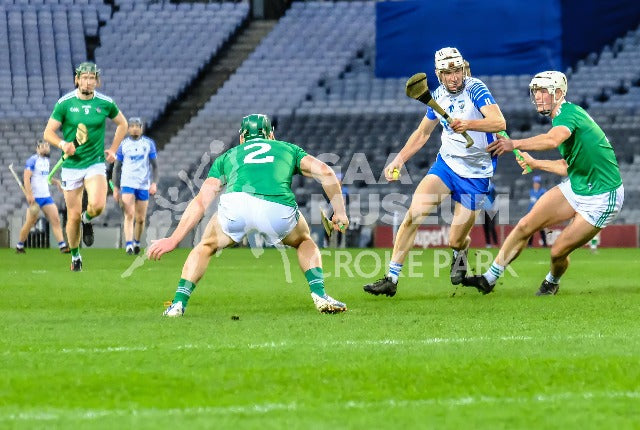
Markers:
{"x": 150, "y": 53}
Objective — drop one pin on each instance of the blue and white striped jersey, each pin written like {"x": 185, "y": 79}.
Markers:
{"x": 135, "y": 156}
{"x": 39, "y": 167}
{"x": 472, "y": 162}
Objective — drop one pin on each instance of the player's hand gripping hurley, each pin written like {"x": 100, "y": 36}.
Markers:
{"x": 330, "y": 226}
{"x": 82, "y": 135}
{"x": 418, "y": 89}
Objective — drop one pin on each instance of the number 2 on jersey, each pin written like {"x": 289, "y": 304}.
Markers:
{"x": 252, "y": 157}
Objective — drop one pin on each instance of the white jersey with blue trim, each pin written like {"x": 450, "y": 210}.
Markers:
{"x": 134, "y": 156}
{"x": 39, "y": 167}
{"x": 473, "y": 162}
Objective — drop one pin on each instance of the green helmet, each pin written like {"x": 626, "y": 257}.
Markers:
{"x": 87, "y": 67}
{"x": 255, "y": 126}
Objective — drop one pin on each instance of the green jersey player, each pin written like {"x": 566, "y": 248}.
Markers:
{"x": 257, "y": 197}
{"x": 81, "y": 116}
{"x": 591, "y": 197}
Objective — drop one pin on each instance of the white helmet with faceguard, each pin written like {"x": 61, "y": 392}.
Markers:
{"x": 551, "y": 81}
{"x": 449, "y": 60}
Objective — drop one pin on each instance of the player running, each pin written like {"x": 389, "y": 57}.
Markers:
{"x": 591, "y": 197}
{"x": 37, "y": 190}
{"x": 258, "y": 197}
{"x": 82, "y": 114}
{"x": 460, "y": 172}
{"x": 136, "y": 165}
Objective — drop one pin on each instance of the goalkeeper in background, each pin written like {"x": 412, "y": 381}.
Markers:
{"x": 258, "y": 197}
{"x": 590, "y": 198}
{"x": 135, "y": 177}
{"x": 81, "y": 116}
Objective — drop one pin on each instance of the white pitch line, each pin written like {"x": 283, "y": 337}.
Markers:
{"x": 285, "y": 344}
{"x": 261, "y": 409}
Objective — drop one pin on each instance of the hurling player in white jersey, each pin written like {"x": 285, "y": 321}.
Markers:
{"x": 36, "y": 187}
{"x": 463, "y": 173}
{"x": 135, "y": 176}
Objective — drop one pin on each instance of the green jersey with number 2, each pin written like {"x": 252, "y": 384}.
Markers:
{"x": 593, "y": 168}
{"x": 262, "y": 168}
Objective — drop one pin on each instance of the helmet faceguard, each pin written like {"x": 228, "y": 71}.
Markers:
{"x": 255, "y": 126}
{"x": 87, "y": 67}
{"x": 450, "y": 60}
{"x": 551, "y": 81}
{"x": 135, "y": 120}
{"x": 42, "y": 147}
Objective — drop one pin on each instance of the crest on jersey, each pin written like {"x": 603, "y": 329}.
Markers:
{"x": 461, "y": 105}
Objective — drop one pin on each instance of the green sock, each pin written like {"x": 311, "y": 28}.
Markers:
{"x": 315, "y": 278}
{"x": 75, "y": 252}
{"x": 86, "y": 217}
{"x": 185, "y": 288}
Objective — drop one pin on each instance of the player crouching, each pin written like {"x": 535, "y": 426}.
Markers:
{"x": 258, "y": 197}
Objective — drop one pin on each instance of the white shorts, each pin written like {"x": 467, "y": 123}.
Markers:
{"x": 73, "y": 179}
{"x": 240, "y": 213}
{"x": 599, "y": 210}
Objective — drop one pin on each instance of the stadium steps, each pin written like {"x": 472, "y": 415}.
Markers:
{"x": 213, "y": 76}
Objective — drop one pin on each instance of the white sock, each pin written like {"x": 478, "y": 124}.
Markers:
{"x": 552, "y": 279}
{"x": 494, "y": 272}
{"x": 84, "y": 218}
{"x": 394, "y": 271}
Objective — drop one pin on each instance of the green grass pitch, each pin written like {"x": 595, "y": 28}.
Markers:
{"x": 91, "y": 350}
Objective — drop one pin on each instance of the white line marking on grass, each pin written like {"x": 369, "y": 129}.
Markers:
{"x": 262, "y": 409}
{"x": 285, "y": 344}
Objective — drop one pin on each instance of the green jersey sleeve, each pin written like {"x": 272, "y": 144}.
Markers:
{"x": 217, "y": 168}
{"x": 299, "y": 154}
{"x": 58, "y": 112}
{"x": 114, "y": 110}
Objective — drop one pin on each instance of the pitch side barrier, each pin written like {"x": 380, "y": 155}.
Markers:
{"x": 613, "y": 236}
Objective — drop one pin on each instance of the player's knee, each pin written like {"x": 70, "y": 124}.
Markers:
{"x": 525, "y": 228}
{"x": 140, "y": 220}
{"x": 95, "y": 208}
{"x": 208, "y": 247}
{"x": 413, "y": 218}
{"x": 73, "y": 216}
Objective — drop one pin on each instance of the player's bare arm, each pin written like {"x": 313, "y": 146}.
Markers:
{"x": 117, "y": 171}
{"x": 26, "y": 181}
{"x": 153, "y": 188}
{"x": 51, "y": 136}
{"x": 190, "y": 218}
{"x": 559, "y": 167}
{"x": 121, "y": 132}
{"x": 492, "y": 122}
{"x": 542, "y": 142}
{"x": 320, "y": 171}
{"x": 414, "y": 143}
{"x": 58, "y": 184}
